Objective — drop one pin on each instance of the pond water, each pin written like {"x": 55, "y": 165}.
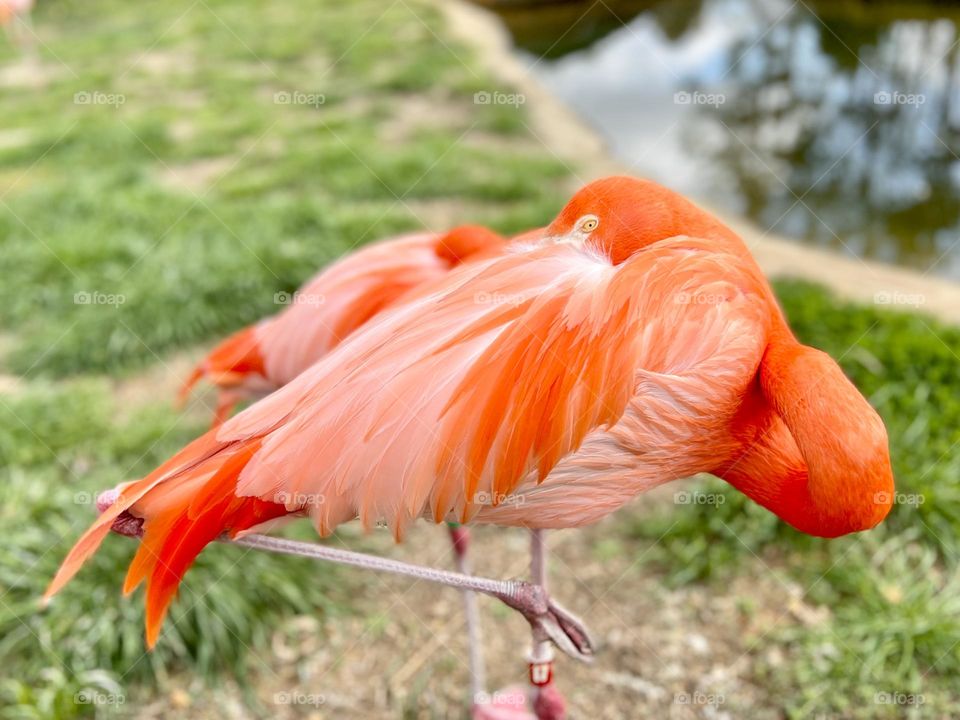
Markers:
{"x": 833, "y": 122}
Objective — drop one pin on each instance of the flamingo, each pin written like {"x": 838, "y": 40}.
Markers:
{"x": 15, "y": 17}
{"x": 545, "y": 386}
{"x": 260, "y": 358}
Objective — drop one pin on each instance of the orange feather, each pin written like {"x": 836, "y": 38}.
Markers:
{"x": 568, "y": 372}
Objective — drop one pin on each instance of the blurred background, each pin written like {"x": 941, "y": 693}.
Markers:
{"x": 167, "y": 168}
{"x": 852, "y": 105}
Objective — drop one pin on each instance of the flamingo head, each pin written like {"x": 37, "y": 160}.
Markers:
{"x": 620, "y": 215}
{"x": 465, "y": 241}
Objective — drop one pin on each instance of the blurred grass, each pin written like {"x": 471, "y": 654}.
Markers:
{"x": 115, "y": 198}
{"x": 200, "y": 196}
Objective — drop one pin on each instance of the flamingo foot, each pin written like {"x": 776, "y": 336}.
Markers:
{"x": 510, "y": 703}
{"x": 514, "y": 703}
{"x": 549, "y": 704}
{"x": 550, "y": 621}
{"x": 125, "y": 523}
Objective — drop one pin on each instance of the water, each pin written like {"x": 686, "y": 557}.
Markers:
{"x": 835, "y": 123}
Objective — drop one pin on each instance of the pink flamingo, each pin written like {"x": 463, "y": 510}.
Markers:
{"x": 635, "y": 344}
{"x": 263, "y": 357}
{"x": 15, "y": 19}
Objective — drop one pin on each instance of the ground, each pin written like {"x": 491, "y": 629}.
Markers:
{"x": 165, "y": 169}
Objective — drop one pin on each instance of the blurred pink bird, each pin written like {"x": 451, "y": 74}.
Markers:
{"x": 10, "y": 9}
{"x": 258, "y": 359}
{"x": 15, "y": 19}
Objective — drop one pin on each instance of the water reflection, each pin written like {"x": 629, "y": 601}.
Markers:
{"x": 834, "y": 122}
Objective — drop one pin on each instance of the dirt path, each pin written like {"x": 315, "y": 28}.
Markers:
{"x": 687, "y": 653}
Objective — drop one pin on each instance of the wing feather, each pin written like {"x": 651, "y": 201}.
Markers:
{"x": 457, "y": 393}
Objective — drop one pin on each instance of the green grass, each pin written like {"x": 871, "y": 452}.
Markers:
{"x": 90, "y": 202}
{"x": 91, "y": 206}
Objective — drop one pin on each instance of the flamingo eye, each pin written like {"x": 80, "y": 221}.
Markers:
{"x": 588, "y": 223}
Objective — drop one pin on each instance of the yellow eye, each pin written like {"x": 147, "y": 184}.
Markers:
{"x": 588, "y": 223}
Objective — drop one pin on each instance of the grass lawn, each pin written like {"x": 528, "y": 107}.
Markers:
{"x": 166, "y": 168}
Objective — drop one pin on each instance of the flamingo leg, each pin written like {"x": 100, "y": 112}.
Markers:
{"x": 227, "y": 400}
{"x": 460, "y": 537}
{"x": 540, "y": 651}
{"x": 547, "y": 619}
{"x": 20, "y": 31}
{"x": 548, "y": 703}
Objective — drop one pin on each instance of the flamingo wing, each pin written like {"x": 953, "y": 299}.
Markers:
{"x": 498, "y": 372}
{"x": 262, "y": 357}
{"x": 343, "y": 297}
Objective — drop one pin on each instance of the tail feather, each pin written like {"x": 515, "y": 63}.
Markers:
{"x": 195, "y": 376}
{"x": 183, "y": 533}
{"x": 237, "y": 357}
{"x": 130, "y": 493}
{"x": 186, "y": 504}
